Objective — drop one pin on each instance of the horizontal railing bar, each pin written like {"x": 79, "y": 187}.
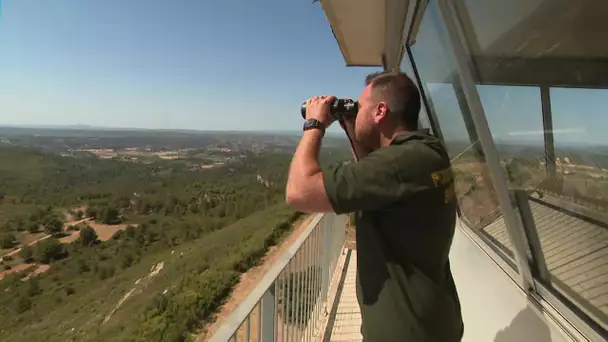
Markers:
{"x": 233, "y": 322}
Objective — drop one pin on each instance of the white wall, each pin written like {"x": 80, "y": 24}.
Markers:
{"x": 494, "y": 308}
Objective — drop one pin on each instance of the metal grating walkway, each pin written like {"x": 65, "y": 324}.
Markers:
{"x": 345, "y": 322}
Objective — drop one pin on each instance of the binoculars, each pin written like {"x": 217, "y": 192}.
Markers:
{"x": 340, "y": 107}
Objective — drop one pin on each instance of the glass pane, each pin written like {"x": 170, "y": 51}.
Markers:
{"x": 406, "y": 67}
{"x": 514, "y": 114}
{"x": 577, "y": 251}
{"x": 529, "y": 58}
{"x": 477, "y": 199}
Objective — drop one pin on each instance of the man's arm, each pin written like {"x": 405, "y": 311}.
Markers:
{"x": 369, "y": 184}
{"x": 305, "y": 191}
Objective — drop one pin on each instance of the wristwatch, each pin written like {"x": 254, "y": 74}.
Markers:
{"x": 312, "y": 124}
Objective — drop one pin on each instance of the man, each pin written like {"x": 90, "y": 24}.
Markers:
{"x": 402, "y": 192}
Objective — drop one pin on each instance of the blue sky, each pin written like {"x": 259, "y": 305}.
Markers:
{"x": 216, "y": 65}
{"x": 198, "y": 64}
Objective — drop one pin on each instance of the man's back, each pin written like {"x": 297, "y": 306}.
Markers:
{"x": 405, "y": 287}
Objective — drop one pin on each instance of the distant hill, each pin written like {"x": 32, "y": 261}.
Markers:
{"x": 82, "y": 127}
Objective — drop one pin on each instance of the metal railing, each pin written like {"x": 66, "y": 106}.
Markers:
{"x": 291, "y": 300}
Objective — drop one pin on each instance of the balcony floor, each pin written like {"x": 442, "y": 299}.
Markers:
{"x": 345, "y": 320}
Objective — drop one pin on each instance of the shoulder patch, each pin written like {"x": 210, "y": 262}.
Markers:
{"x": 442, "y": 177}
{"x": 445, "y": 179}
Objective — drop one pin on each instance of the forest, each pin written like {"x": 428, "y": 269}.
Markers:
{"x": 188, "y": 236}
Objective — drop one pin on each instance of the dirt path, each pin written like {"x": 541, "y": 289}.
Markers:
{"x": 40, "y": 269}
{"x": 18, "y": 268}
{"x": 251, "y": 278}
{"x": 65, "y": 226}
{"x": 104, "y": 231}
{"x": 29, "y": 244}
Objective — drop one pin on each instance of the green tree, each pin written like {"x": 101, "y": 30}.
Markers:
{"x": 53, "y": 226}
{"x": 110, "y": 215}
{"x": 33, "y": 227}
{"x": 33, "y": 287}
{"x": 7, "y": 240}
{"x": 87, "y": 236}
{"x": 130, "y": 232}
{"x": 48, "y": 250}
{"x": 19, "y": 224}
{"x": 92, "y": 212}
{"x": 26, "y": 253}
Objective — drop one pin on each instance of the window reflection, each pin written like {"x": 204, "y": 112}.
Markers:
{"x": 581, "y": 145}
{"x": 528, "y": 57}
{"x": 515, "y": 120}
{"x": 477, "y": 199}
{"x": 579, "y": 262}
{"x": 406, "y": 67}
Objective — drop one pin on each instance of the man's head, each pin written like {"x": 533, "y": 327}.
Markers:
{"x": 389, "y": 104}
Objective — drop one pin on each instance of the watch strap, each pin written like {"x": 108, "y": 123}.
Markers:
{"x": 312, "y": 124}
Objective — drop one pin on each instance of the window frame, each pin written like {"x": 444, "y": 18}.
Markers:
{"x": 522, "y": 235}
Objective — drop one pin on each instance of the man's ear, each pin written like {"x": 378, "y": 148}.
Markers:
{"x": 381, "y": 112}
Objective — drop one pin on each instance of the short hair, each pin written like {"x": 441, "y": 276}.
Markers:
{"x": 400, "y": 94}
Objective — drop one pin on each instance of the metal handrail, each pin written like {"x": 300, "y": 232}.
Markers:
{"x": 290, "y": 301}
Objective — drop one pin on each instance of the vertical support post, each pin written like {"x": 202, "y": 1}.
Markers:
{"x": 538, "y": 257}
{"x": 268, "y": 314}
{"x": 545, "y": 97}
{"x": 469, "y": 123}
{"x": 430, "y": 111}
{"x": 454, "y": 39}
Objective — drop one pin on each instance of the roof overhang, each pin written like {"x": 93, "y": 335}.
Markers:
{"x": 368, "y": 32}
{"x": 559, "y": 44}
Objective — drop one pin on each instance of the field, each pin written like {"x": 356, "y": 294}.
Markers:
{"x": 133, "y": 153}
{"x": 104, "y": 231}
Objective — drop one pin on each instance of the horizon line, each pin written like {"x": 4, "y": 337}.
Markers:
{"x": 82, "y": 127}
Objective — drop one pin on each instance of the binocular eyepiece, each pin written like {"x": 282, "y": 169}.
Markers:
{"x": 340, "y": 107}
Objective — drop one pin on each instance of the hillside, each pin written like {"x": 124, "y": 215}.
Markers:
{"x": 128, "y": 251}
{"x": 70, "y": 302}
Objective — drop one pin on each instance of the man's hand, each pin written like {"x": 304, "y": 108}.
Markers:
{"x": 319, "y": 108}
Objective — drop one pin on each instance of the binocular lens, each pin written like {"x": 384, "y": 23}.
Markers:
{"x": 340, "y": 107}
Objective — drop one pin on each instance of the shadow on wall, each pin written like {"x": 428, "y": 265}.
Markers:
{"x": 527, "y": 326}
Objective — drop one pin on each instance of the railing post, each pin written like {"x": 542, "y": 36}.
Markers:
{"x": 327, "y": 233}
{"x": 268, "y": 315}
